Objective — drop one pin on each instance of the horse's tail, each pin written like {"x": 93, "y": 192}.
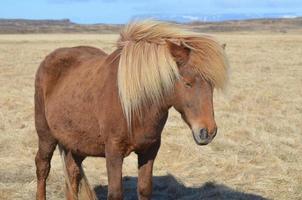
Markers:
{"x": 85, "y": 192}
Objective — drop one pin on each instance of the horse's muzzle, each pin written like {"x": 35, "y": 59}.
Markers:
{"x": 203, "y": 137}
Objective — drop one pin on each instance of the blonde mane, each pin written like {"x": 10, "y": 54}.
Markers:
{"x": 147, "y": 71}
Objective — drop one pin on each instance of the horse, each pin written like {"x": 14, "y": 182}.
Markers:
{"x": 90, "y": 103}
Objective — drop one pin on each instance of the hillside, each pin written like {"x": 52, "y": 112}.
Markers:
{"x": 14, "y": 26}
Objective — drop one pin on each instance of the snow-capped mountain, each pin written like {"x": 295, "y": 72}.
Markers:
{"x": 183, "y": 18}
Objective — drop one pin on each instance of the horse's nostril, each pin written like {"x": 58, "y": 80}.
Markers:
{"x": 203, "y": 134}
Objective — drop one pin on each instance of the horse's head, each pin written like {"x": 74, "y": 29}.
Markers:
{"x": 163, "y": 66}
{"x": 193, "y": 93}
{"x": 194, "y": 100}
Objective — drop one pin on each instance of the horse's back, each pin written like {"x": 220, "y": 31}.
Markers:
{"x": 58, "y": 63}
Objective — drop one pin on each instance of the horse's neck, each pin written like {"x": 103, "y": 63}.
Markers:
{"x": 106, "y": 91}
{"x": 152, "y": 117}
{"x": 151, "y": 121}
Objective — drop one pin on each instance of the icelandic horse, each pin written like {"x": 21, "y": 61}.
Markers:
{"x": 91, "y": 103}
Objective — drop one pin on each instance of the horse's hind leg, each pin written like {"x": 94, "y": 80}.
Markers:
{"x": 47, "y": 145}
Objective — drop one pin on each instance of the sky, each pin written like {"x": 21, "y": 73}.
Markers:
{"x": 121, "y": 11}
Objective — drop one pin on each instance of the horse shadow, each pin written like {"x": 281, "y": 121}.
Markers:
{"x": 168, "y": 188}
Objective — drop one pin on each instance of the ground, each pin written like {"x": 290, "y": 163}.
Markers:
{"x": 255, "y": 155}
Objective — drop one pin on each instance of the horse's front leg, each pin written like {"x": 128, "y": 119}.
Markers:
{"x": 114, "y": 163}
{"x": 145, "y": 168}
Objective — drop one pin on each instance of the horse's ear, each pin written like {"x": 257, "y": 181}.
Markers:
{"x": 179, "y": 52}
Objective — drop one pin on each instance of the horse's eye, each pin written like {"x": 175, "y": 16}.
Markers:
{"x": 189, "y": 85}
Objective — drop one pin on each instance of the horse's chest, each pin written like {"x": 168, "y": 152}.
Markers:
{"x": 144, "y": 140}
{"x": 149, "y": 134}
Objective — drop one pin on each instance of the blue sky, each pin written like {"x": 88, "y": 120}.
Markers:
{"x": 119, "y": 11}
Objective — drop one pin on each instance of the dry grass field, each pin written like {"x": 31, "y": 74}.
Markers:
{"x": 257, "y": 153}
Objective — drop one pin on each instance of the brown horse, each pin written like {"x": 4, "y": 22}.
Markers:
{"x": 94, "y": 104}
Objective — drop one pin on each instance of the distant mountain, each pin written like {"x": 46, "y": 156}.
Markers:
{"x": 36, "y": 22}
{"x": 11, "y": 26}
{"x": 186, "y": 18}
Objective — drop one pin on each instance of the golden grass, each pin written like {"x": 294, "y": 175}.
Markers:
{"x": 257, "y": 150}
